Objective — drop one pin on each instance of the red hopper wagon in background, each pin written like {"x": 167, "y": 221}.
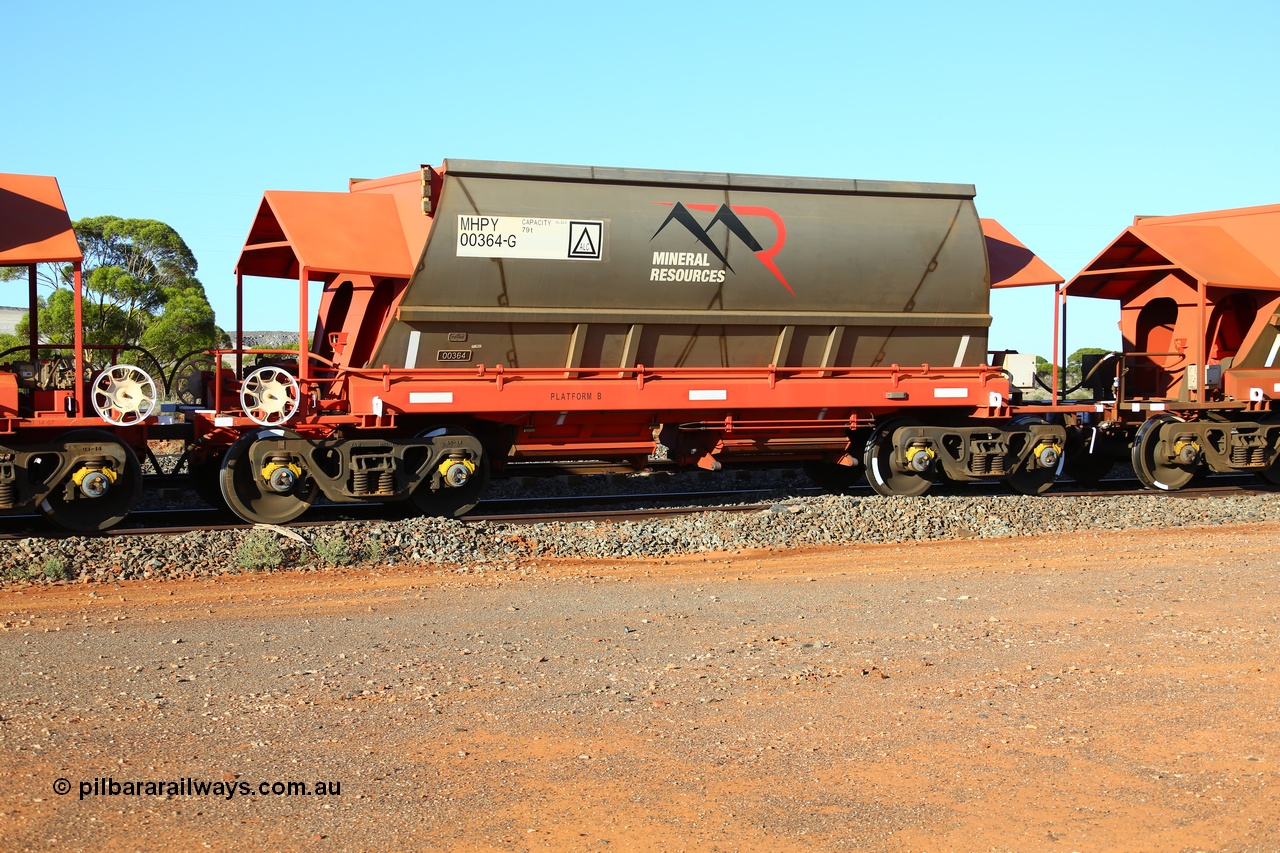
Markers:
{"x": 73, "y": 420}
{"x": 1193, "y": 385}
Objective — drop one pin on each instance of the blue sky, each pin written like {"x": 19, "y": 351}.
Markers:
{"x": 1069, "y": 118}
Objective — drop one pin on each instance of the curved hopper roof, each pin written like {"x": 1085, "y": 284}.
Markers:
{"x": 1237, "y": 248}
{"x": 34, "y": 225}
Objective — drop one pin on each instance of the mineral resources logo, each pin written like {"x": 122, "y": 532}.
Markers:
{"x": 696, "y": 266}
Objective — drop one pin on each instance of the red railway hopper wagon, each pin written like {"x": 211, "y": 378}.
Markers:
{"x": 73, "y": 421}
{"x": 1194, "y": 384}
{"x": 481, "y": 315}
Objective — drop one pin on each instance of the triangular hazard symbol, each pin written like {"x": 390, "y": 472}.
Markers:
{"x": 584, "y": 246}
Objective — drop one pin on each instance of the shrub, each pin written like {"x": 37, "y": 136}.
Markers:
{"x": 18, "y": 573}
{"x": 333, "y": 551}
{"x": 55, "y": 569}
{"x": 259, "y": 550}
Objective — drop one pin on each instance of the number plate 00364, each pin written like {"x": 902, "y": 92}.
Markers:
{"x": 453, "y": 355}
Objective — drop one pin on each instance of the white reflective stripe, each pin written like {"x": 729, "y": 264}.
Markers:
{"x": 995, "y": 399}
{"x": 1136, "y": 407}
{"x": 224, "y": 421}
{"x": 951, "y": 393}
{"x": 411, "y": 356}
{"x": 1157, "y": 407}
{"x": 1275, "y": 348}
{"x": 708, "y": 395}
{"x": 964, "y": 345}
{"x": 1276, "y": 389}
{"x": 560, "y": 420}
{"x": 430, "y": 396}
{"x": 377, "y": 407}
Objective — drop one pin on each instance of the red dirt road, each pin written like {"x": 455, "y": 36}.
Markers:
{"x": 1114, "y": 692}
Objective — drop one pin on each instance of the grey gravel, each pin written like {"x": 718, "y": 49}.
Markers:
{"x": 452, "y": 545}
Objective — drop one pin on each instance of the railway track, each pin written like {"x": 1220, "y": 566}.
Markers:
{"x": 603, "y": 508}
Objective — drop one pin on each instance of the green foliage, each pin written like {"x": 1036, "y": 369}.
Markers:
{"x": 144, "y": 249}
{"x": 55, "y": 569}
{"x": 333, "y": 551}
{"x": 1071, "y": 373}
{"x": 372, "y": 551}
{"x": 140, "y": 289}
{"x": 186, "y": 325}
{"x": 8, "y": 342}
{"x": 1074, "y": 360}
{"x": 20, "y": 572}
{"x": 48, "y": 275}
{"x": 259, "y": 550}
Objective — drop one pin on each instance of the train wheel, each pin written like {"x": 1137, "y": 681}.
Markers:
{"x": 149, "y": 363}
{"x": 280, "y": 497}
{"x": 123, "y": 395}
{"x": 99, "y": 491}
{"x": 186, "y": 382}
{"x": 1149, "y": 464}
{"x": 832, "y": 477}
{"x": 270, "y": 395}
{"x": 1035, "y": 477}
{"x": 452, "y": 501}
{"x": 883, "y": 475}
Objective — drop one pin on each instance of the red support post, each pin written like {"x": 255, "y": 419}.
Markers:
{"x": 1202, "y": 349}
{"x": 33, "y": 313}
{"x": 239, "y": 323}
{"x": 1058, "y": 299}
{"x": 304, "y": 323}
{"x": 82, "y": 384}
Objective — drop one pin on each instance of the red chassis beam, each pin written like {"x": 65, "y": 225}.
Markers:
{"x": 672, "y": 389}
{"x": 378, "y": 397}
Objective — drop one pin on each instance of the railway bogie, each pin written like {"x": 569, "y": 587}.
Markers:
{"x": 1169, "y": 451}
{"x": 85, "y": 480}
{"x": 1026, "y": 453}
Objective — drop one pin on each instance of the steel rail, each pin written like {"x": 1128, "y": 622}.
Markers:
{"x": 506, "y": 510}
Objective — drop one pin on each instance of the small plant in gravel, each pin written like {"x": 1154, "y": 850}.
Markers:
{"x": 372, "y": 551}
{"x": 259, "y": 550}
{"x": 18, "y": 573}
{"x": 55, "y": 569}
{"x": 333, "y": 551}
